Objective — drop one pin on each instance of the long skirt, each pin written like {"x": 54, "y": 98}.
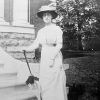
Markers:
{"x": 52, "y": 79}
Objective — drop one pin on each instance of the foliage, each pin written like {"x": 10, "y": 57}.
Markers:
{"x": 79, "y": 19}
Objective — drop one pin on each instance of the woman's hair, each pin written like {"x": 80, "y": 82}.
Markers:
{"x": 48, "y": 13}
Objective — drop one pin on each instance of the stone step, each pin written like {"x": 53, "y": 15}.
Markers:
{"x": 12, "y": 89}
{"x": 8, "y": 79}
{"x": 18, "y": 92}
{"x": 8, "y": 75}
{"x": 1, "y": 65}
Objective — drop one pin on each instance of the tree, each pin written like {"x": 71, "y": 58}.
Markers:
{"x": 79, "y": 20}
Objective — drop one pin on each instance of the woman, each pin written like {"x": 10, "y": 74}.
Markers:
{"x": 52, "y": 77}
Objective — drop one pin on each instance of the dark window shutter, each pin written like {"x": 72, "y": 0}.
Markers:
{"x": 8, "y": 10}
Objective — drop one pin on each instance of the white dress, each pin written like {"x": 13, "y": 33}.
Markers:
{"x": 52, "y": 79}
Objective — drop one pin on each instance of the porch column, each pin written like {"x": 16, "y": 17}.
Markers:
{"x": 20, "y": 13}
{"x": 2, "y": 21}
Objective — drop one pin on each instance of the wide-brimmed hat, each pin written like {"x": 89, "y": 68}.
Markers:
{"x": 49, "y": 9}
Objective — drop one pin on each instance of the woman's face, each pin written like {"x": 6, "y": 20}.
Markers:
{"x": 47, "y": 18}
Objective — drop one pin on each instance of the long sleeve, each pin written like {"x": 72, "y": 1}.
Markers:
{"x": 35, "y": 44}
{"x": 58, "y": 46}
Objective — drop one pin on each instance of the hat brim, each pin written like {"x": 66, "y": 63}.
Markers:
{"x": 52, "y": 12}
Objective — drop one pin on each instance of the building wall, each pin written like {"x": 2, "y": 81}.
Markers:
{"x": 17, "y": 29}
{"x": 8, "y": 10}
{"x": 10, "y": 41}
{"x": 15, "y": 32}
{"x": 19, "y": 16}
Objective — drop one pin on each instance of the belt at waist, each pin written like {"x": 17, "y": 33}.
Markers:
{"x": 54, "y": 44}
